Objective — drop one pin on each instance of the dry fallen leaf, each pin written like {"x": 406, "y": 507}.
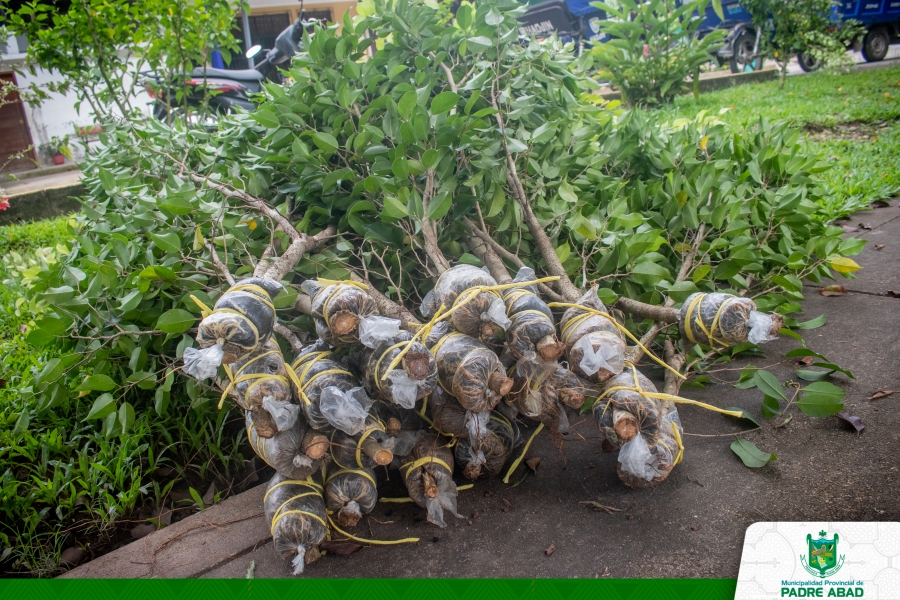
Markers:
{"x": 550, "y": 550}
{"x": 893, "y": 293}
{"x": 533, "y": 463}
{"x": 855, "y": 421}
{"x": 806, "y": 360}
{"x": 881, "y": 394}
{"x": 340, "y": 547}
{"x": 697, "y": 528}
{"x": 879, "y": 246}
{"x": 850, "y": 228}
{"x": 833, "y": 290}
{"x": 881, "y": 204}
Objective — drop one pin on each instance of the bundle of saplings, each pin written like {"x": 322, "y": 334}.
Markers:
{"x": 296, "y": 513}
{"x": 241, "y": 322}
{"x": 413, "y": 378}
{"x": 479, "y": 314}
{"x": 429, "y": 477}
{"x": 468, "y": 370}
{"x": 491, "y": 440}
{"x": 337, "y": 308}
{"x": 646, "y": 431}
{"x": 415, "y": 158}
{"x": 723, "y": 320}
{"x": 531, "y": 334}
{"x": 296, "y": 453}
{"x": 263, "y": 386}
{"x": 594, "y": 347}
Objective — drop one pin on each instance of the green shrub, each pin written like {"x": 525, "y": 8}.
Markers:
{"x": 653, "y": 48}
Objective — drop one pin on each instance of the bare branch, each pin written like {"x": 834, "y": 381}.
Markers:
{"x": 299, "y": 246}
{"x": 290, "y": 336}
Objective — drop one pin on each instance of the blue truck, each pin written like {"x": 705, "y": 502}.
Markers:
{"x": 578, "y": 20}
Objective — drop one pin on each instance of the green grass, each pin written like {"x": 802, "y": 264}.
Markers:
{"x": 835, "y": 109}
{"x": 62, "y": 483}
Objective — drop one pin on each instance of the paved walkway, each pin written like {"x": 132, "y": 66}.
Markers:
{"x": 690, "y": 526}
{"x": 41, "y": 182}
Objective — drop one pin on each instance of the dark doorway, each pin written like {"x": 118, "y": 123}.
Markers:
{"x": 15, "y": 137}
{"x": 263, "y": 31}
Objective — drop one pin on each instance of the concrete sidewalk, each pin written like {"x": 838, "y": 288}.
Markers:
{"x": 692, "y": 525}
{"x": 35, "y": 197}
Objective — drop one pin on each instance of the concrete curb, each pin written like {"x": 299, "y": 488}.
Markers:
{"x": 42, "y": 204}
{"x": 719, "y": 82}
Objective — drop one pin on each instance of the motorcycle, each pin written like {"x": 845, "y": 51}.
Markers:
{"x": 206, "y": 93}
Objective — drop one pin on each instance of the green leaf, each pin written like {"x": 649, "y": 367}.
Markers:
{"x": 812, "y": 323}
{"x": 750, "y": 455}
{"x": 325, "y": 142}
{"x": 479, "y": 43}
{"x": 567, "y": 192}
{"x": 429, "y": 158}
{"x": 439, "y": 206}
{"x": 130, "y": 301}
{"x": 770, "y": 386}
{"x": 563, "y": 251}
{"x": 406, "y": 104}
{"x": 177, "y": 204}
{"x": 394, "y": 209}
{"x": 821, "y": 399}
{"x": 197, "y": 499}
{"x": 717, "y": 7}
{"x": 168, "y": 242}
{"x": 800, "y": 352}
{"x": 444, "y": 102}
{"x": 807, "y": 375}
{"x": 770, "y": 407}
{"x": 266, "y": 118}
{"x": 745, "y": 415}
{"x": 98, "y": 383}
{"x": 464, "y": 16}
{"x": 176, "y": 320}
{"x": 126, "y": 416}
{"x": 650, "y": 274}
{"x": 103, "y": 405}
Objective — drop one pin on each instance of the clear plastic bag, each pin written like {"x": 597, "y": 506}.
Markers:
{"x": 636, "y": 459}
{"x": 283, "y": 413}
{"x": 476, "y": 424}
{"x": 446, "y": 500}
{"x": 606, "y": 357}
{"x": 346, "y": 411}
{"x": 376, "y": 329}
{"x": 428, "y": 308}
{"x": 761, "y": 328}
{"x": 404, "y": 389}
{"x": 497, "y": 314}
{"x": 204, "y": 363}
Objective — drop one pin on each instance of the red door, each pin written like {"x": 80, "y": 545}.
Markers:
{"x": 15, "y": 137}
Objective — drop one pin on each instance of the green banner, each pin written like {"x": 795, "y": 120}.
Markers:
{"x": 370, "y": 589}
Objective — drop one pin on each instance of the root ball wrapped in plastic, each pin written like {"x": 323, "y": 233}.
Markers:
{"x": 350, "y": 494}
{"x": 595, "y": 349}
{"x": 429, "y": 478}
{"x": 487, "y": 452}
{"x": 366, "y": 450}
{"x": 330, "y": 395}
{"x": 447, "y": 414}
{"x": 468, "y": 370}
{"x": 647, "y": 432}
{"x": 483, "y": 316}
{"x": 411, "y": 380}
{"x": 338, "y": 308}
{"x": 286, "y": 451}
{"x": 241, "y": 321}
{"x": 542, "y": 393}
{"x": 531, "y": 334}
{"x": 296, "y": 513}
{"x": 397, "y": 419}
{"x": 722, "y": 320}
{"x": 265, "y": 387}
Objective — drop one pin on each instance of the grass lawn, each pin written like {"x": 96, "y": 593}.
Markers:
{"x": 851, "y": 119}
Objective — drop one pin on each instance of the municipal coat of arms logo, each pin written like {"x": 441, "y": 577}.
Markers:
{"x": 824, "y": 559}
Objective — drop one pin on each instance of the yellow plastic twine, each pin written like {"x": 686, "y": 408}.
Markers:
{"x": 464, "y": 298}
{"x": 593, "y": 311}
{"x": 367, "y": 541}
{"x": 309, "y": 483}
{"x": 298, "y": 379}
{"x": 695, "y": 304}
{"x": 661, "y": 396}
{"x": 518, "y": 461}
{"x": 248, "y": 377}
{"x": 336, "y": 283}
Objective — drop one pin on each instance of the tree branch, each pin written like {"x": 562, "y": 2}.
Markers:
{"x": 386, "y": 306}
{"x": 486, "y": 254}
{"x": 290, "y": 336}
{"x": 299, "y": 246}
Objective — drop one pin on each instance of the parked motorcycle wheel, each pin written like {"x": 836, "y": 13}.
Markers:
{"x": 876, "y": 44}
{"x": 808, "y": 63}
{"x": 743, "y": 60}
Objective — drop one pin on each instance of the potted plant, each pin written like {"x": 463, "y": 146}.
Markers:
{"x": 58, "y": 149}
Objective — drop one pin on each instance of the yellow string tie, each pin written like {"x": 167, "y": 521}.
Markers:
{"x": 377, "y": 427}
{"x": 518, "y": 461}
{"x": 695, "y": 304}
{"x": 620, "y": 328}
{"x": 367, "y": 541}
{"x": 358, "y": 284}
{"x": 679, "y": 442}
{"x": 308, "y": 482}
{"x": 205, "y": 311}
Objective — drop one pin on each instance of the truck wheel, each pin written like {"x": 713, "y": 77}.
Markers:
{"x": 808, "y": 63}
{"x": 876, "y": 44}
{"x": 743, "y": 61}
